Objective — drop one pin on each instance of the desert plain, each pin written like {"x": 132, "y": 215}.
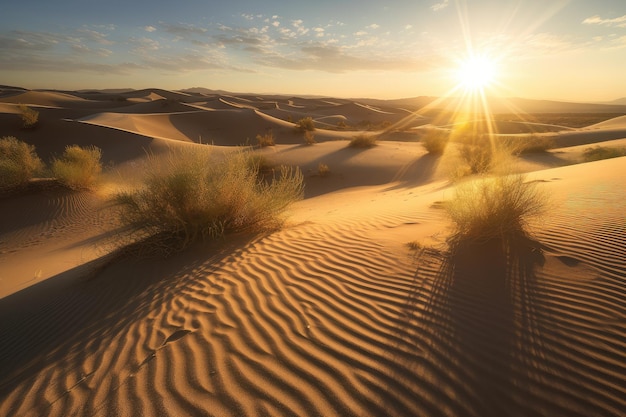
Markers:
{"x": 356, "y": 306}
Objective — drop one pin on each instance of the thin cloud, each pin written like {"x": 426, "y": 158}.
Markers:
{"x": 597, "y": 20}
{"x": 439, "y": 6}
{"x": 149, "y": 28}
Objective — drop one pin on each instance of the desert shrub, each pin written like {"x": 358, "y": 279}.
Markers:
{"x": 477, "y": 153}
{"x": 323, "y": 170}
{"x": 189, "y": 196}
{"x": 496, "y": 207}
{"x": 266, "y": 140}
{"x": 78, "y": 168}
{"x": 18, "y": 162}
{"x": 435, "y": 141}
{"x": 305, "y": 125}
{"x": 601, "y": 152}
{"x": 29, "y": 116}
{"x": 309, "y": 137}
{"x": 363, "y": 141}
{"x": 341, "y": 125}
{"x": 528, "y": 144}
{"x": 258, "y": 163}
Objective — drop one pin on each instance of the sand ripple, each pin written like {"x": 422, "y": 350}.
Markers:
{"x": 316, "y": 320}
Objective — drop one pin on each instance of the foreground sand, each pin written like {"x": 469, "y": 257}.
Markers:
{"x": 334, "y": 314}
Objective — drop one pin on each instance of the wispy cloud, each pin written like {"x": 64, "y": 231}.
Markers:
{"x": 597, "y": 20}
{"x": 149, "y": 28}
{"x": 440, "y": 6}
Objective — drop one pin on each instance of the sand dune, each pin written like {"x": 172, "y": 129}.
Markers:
{"x": 331, "y": 315}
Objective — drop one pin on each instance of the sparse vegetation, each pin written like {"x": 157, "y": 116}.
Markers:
{"x": 305, "y": 125}
{"x": 363, "y": 141}
{"x": 493, "y": 208}
{"x": 190, "y": 196}
{"x": 323, "y": 170}
{"x": 266, "y": 139}
{"x": 18, "y": 163}
{"x": 477, "y": 153}
{"x": 597, "y": 153}
{"x": 309, "y": 137}
{"x": 78, "y": 168}
{"x": 435, "y": 141}
{"x": 29, "y": 116}
{"x": 528, "y": 144}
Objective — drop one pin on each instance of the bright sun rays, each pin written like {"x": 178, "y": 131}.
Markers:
{"x": 476, "y": 73}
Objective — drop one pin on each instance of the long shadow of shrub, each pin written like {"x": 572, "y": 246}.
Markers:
{"x": 474, "y": 320}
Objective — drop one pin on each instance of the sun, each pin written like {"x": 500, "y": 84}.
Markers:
{"x": 476, "y": 73}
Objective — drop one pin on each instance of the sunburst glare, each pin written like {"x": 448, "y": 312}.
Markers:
{"x": 477, "y": 72}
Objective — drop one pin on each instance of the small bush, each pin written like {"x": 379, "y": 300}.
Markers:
{"x": 259, "y": 163}
{"x": 18, "y": 162}
{"x": 323, "y": 170}
{"x": 600, "y": 152}
{"x": 189, "y": 197}
{"x": 305, "y": 125}
{"x": 363, "y": 141}
{"x": 494, "y": 208}
{"x": 78, "y": 168}
{"x": 435, "y": 141}
{"x": 309, "y": 137}
{"x": 29, "y": 116}
{"x": 477, "y": 152}
{"x": 266, "y": 140}
{"x": 528, "y": 144}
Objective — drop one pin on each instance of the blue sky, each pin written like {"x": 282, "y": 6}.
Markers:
{"x": 554, "y": 49}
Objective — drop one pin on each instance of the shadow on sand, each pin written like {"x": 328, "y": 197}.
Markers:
{"x": 64, "y": 320}
{"x": 475, "y": 328}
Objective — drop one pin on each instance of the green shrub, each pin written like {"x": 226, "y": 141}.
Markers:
{"x": 600, "y": 152}
{"x": 190, "y": 196}
{"x": 494, "y": 207}
{"x": 435, "y": 141}
{"x": 266, "y": 140}
{"x": 305, "y": 125}
{"x": 78, "y": 168}
{"x": 363, "y": 141}
{"x": 29, "y": 116}
{"x": 18, "y": 162}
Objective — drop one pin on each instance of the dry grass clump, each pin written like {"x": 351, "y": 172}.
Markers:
{"x": 266, "y": 140}
{"x": 309, "y": 137}
{"x": 29, "y": 116}
{"x": 363, "y": 141}
{"x": 477, "y": 153}
{"x": 597, "y": 153}
{"x": 305, "y": 124}
{"x": 189, "y": 196}
{"x": 492, "y": 208}
{"x": 78, "y": 168}
{"x": 435, "y": 141}
{"x": 323, "y": 170}
{"x": 18, "y": 163}
{"x": 529, "y": 144}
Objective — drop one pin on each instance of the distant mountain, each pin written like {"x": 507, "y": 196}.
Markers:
{"x": 205, "y": 91}
{"x": 619, "y": 101}
{"x": 106, "y": 91}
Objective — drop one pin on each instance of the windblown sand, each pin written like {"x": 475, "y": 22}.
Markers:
{"x": 333, "y": 314}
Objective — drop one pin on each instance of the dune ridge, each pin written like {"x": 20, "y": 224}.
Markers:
{"x": 335, "y": 313}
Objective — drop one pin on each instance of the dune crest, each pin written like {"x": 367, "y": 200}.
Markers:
{"x": 358, "y": 306}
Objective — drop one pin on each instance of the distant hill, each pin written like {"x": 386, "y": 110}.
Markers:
{"x": 619, "y": 101}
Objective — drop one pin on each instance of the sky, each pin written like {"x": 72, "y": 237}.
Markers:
{"x": 573, "y": 50}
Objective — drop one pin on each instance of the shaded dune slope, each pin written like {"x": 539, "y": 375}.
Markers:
{"x": 312, "y": 320}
